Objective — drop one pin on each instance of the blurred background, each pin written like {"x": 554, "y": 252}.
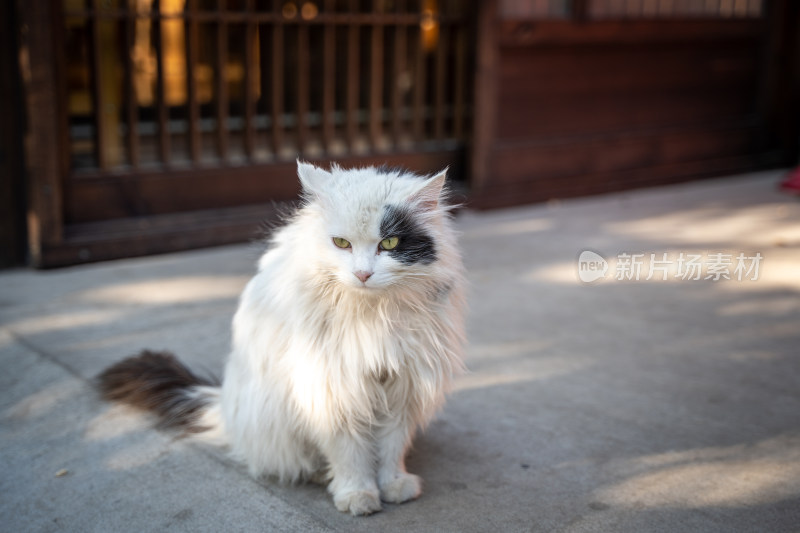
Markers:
{"x": 133, "y": 127}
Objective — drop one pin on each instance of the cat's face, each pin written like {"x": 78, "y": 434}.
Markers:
{"x": 374, "y": 229}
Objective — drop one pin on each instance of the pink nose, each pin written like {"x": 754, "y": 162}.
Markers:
{"x": 362, "y": 275}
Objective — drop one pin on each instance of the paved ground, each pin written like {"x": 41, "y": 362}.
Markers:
{"x": 629, "y": 406}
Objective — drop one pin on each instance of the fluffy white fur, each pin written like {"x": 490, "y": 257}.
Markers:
{"x": 329, "y": 377}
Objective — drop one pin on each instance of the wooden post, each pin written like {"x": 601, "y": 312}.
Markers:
{"x": 461, "y": 79}
{"x": 778, "y": 101}
{"x": 419, "y": 107}
{"x": 277, "y": 84}
{"x": 12, "y": 194}
{"x": 376, "y": 84}
{"x": 353, "y": 82}
{"x": 132, "y": 107}
{"x": 192, "y": 49}
{"x": 164, "y": 150}
{"x": 485, "y": 107}
{"x": 328, "y": 80}
{"x": 222, "y": 84}
{"x": 303, "y": 73}
{"x": 39, "y": 86}
{"x": 249, "y": 88}
{"x": 399, "y": 77}
{"x": 440, "y": 81}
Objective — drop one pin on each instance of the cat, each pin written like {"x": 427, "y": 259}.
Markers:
{"x": 344, "y": 342}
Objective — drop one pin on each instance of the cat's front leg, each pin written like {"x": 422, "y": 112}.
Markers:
{"x": 396, "y": 484}
{"x": 352, "y": 465}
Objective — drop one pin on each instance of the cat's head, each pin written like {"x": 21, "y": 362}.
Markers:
{"x": 374, "y": 228}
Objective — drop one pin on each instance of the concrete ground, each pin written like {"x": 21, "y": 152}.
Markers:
{"x": 617, "y": 406}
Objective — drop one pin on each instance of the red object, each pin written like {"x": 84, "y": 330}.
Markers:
{"x": 792, "y": 182}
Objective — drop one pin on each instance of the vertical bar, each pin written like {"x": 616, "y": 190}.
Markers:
{"x": 418, "y": 120}
{"x": 249, "y": 93}
{"x": 163, "y": 115}
{"x": 222, "y": 83}
{"x": 264, "y": 68}
{"x": 131, "y": 102}
{"x": 328, "y": 80}
{"x": 192, "y": 45}
{"x": 484, "y": 121}
{"x": 461, "y": 80}
{"x": 97, "y": 93}
{"x": 353, "y": 82}
{"x": 754, "y": 8}
{"x": 59, "y": 61}
{"x": 39, "y": 92}
{"x": 439, "y": 81}
{"x": 376, "y": 82}
{"x": 398, "y": 89}
{"x": 277, "y": 85}
{"x": 580, "y": 10}
{"x": 302, "y": 86}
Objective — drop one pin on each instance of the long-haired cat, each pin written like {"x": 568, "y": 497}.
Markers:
{"x": 344, "y": 342}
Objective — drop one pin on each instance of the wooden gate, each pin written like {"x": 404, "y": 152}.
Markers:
{"x": 177, "y": 122}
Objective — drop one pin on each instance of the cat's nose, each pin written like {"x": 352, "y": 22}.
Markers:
{"x": 363, "y": 275}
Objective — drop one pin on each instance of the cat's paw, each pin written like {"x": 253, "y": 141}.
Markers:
{"x": 359, "y": 502}
{"x": 401, "y": 489}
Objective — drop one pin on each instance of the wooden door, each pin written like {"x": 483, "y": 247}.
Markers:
{"x": 592, "y": 96}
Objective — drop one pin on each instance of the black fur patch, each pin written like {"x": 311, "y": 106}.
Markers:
{"x": 158, "y": 382}
{"x": 415, "y": 244}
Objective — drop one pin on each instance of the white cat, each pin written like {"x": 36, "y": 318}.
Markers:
{"x": 344, "y": 342}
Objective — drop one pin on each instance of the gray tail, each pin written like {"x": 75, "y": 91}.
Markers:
{"x": 158, "y": 382}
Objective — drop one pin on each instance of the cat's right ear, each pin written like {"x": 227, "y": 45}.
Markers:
{"x": 313, "y": 179}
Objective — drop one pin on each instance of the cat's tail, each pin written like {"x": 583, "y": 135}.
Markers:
{"x": 160, "y": 383}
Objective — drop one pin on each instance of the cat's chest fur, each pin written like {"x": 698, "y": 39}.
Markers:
{"x": 371, "y": 341}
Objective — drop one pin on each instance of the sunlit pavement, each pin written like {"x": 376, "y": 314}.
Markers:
{"x": 662, "y": 404}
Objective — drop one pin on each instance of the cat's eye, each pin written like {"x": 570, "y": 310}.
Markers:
{"x": 341, "y": 243}
{"x": 389, "y": 243}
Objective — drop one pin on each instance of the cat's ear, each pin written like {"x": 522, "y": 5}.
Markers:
{"x": 430, "y": 193}
{"x": 313, "y": 179}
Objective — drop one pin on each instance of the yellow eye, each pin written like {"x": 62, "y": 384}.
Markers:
{"x": 341, "y": 243}
{"x": 390, "y": 243}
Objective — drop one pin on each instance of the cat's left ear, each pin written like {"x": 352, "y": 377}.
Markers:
{"x": 430, "y": 193}
{"x": 313, "y": 179}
